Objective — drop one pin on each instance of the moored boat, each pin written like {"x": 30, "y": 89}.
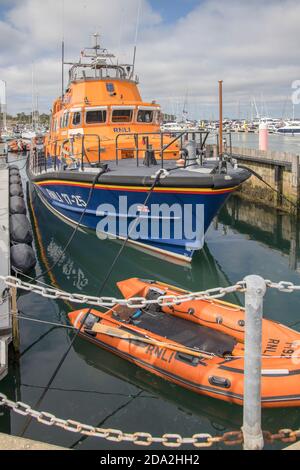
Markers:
{"x": 101, "y": 126}
{"x": 18, "y": 145}
{"x": 198, "y": 345}
{"x": 290, "y": 128}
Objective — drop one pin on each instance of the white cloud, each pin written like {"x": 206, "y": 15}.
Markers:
{"x": 250, "y": 45}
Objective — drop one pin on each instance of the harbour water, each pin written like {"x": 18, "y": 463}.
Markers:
{"x": 278, "y": 142}
{"x": 100, "y": 389}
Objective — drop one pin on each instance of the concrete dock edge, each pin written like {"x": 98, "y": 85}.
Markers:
{"x": 8, "y": 442}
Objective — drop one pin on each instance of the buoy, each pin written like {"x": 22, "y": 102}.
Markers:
{"x": 22, "y": 257}
{"x": 15, "y": 179}
{"x": 17, "y": 205}
{"x": 15, "y": 190}
{"x": 20, "y": 230}
{"x": 14, "y": 173}
{"x": 13, "y": 168}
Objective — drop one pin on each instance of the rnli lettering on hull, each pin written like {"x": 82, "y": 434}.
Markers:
{"x": 161, "y": 353}
{"x": 274, "y": 347}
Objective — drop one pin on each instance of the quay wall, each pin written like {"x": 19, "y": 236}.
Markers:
{"x": 281, "y": 170}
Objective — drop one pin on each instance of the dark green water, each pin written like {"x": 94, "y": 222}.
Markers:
{"x": 98, "y": 388}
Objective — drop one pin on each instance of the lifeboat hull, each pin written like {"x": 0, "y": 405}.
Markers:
{"x": 195, "y": 327}
{"x": 115, "y": 201}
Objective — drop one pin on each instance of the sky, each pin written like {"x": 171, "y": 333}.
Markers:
{"x": 183, "y": 48}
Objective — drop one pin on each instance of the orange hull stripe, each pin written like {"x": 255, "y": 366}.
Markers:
{"x": 137, "y": 188}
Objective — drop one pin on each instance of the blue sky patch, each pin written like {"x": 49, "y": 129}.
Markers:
{"x": 173, "y": 10}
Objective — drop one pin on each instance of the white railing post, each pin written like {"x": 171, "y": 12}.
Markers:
{"x": 254, "y": 295}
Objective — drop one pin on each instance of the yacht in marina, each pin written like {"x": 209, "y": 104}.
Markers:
{"x": 290, "y": 128}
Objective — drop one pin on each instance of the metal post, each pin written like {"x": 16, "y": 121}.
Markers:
{"x": 255, "y": 291}
{"x": 162, "y": 149}
{"x": 15, "y": 320}
{"x": 220, "y": 118}
{"x": 136, "y": 142}
{"x": 99, "y": 150}
{"x": 82, "y": 152}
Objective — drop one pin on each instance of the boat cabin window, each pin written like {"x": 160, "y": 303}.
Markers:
{"x": 95, "y": 117}
{"x": 144, "y": 116}
{"x": 76, "y": 118}
{"x": 122, "y": 115}
{"x": 65, "y": 120}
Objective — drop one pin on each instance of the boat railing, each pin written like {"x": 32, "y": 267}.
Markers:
{"x": 59, "y": 157}
{"x": 200, "y": 137}
{"x": 62, "y": 154}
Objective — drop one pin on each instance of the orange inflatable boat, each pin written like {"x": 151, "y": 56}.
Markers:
{"x": 198, "y": 344}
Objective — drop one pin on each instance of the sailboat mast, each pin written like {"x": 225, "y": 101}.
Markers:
{"x": 32, "y": 96}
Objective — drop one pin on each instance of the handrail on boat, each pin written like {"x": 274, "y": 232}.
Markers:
{"x": 179, "y": 135}
{"x": 40, "y": 160}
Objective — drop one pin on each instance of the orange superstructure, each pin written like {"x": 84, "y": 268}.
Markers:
{"x": 102, "y": 116}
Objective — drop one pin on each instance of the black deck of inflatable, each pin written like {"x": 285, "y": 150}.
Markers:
{"x": 182, "y": 331}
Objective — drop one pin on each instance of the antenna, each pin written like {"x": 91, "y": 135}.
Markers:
{"x": 136, "y": 34}
{"x": 63, "y": 51}
{"x": 97, "y": 45}
{"x": 62, "y": 68}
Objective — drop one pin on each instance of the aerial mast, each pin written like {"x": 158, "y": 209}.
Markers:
{"x": 136, "y": 36}
{"x": 63, "y": 52}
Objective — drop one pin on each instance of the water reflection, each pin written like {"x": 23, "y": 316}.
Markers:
{"x": 85, "y": 264}
{"x": 277, "y": 230}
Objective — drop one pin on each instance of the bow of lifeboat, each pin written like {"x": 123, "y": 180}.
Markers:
{"x": 198, "y": 345}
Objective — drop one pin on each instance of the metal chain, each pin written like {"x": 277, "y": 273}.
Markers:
{"x": 282, "y": 286}
{"x": 115, "y": 435}
{"x": 133, "y": 302}
{"x": 140, "y": 302}
{"x": 199, "y": 440}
